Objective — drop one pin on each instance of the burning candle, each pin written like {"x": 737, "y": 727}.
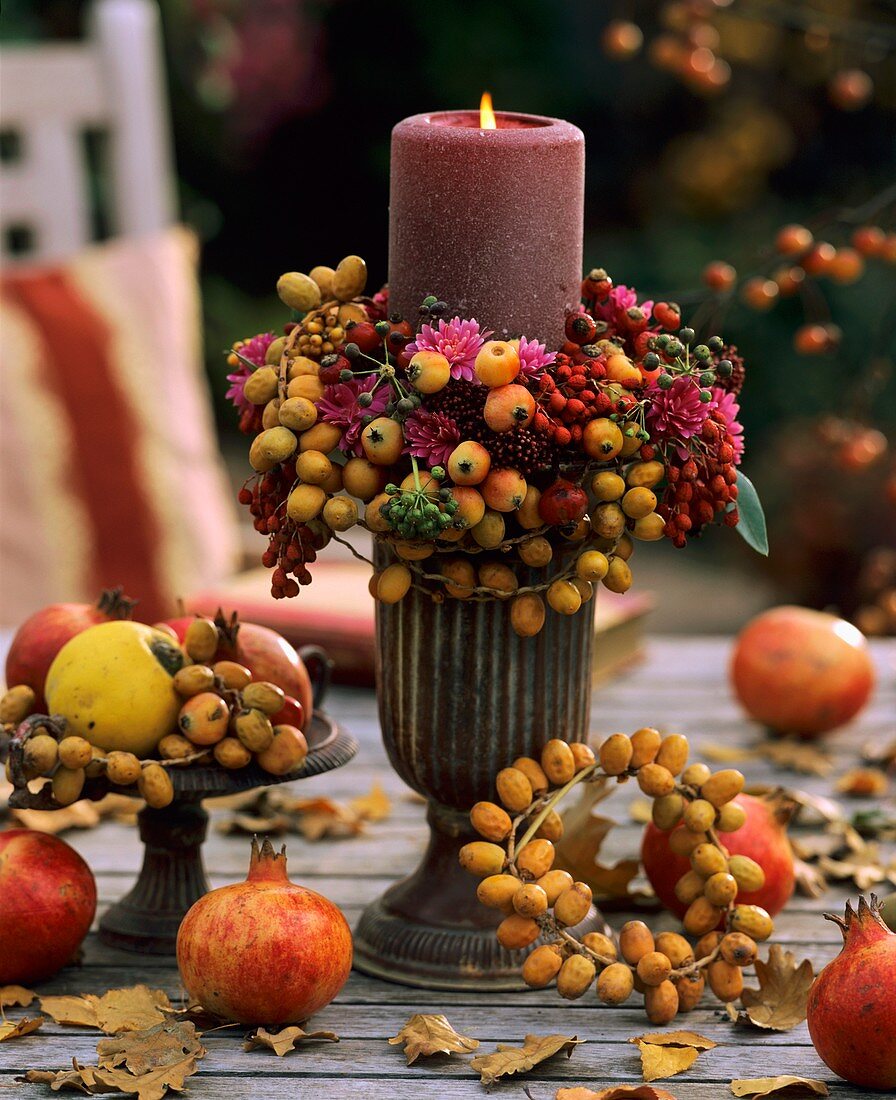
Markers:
{"x": 486, "y": 213}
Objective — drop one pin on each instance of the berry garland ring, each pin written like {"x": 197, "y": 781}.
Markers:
{"x": 530, "y": 472}
{"x": 515, "y": 864}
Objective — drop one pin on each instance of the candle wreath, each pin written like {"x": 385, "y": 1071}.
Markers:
{"x": 479, "y": 461}
{"x": 518, "y": 878}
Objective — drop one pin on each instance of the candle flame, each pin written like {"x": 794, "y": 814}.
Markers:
{"x": 486, "y": 113}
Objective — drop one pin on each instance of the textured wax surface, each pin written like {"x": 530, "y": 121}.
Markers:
{"x": 488, "y": 220}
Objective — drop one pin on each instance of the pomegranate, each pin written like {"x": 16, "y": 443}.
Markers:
{"x": 762, "y": 837}
{"x": 264, "y": 951}
{"x": 563, "y": 502}
{"x": 852, "y": 1002}
{"x": 801, "y": 671}
{"x": 48, "y": 904}
{"x": 39, "y": 638}
{"x": 267, "y": 655}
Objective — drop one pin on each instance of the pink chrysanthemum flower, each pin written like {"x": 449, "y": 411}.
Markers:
{"x": 459, "y": 341}
{"x": 430, "y": 436}
{"x": 253, "y": 350}
{"x": 339, "y": 406}
{"x": 677, "y": 413}
{"x": 613, "y": 310}
{"x": 727, "y": 405}
{"x": 534, "y": 357}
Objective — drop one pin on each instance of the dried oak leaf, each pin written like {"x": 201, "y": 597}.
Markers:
{"x": 80, "y": 1011}
{"x": 16, "y": 995}
{"x": 780, "y": 1002}
{"x": 15, "y": 1029}
{"x": 796, "y": 756}
{"x": 141, "y": 1051}
{"x": 665, "y": 1053}
{"x": 862, "y": 863}
{"x": 508, "y": 1060}
{"x": 862, "y": 782}
{"x": 134, "y": 1008}
{"x": 614, "y": 1092}
{"x": 152, "y": 1085}
{"x": 583, "y": 834}
{"x": 373, "y": 806}
{"x": 756, "y": 1087}
{"x": 79, "y": 1078}
{"x": 282, "y": 1042}
{"x": 431, "y": 1034}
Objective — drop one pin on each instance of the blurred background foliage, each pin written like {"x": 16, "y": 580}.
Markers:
{"x": 727, "y": 120}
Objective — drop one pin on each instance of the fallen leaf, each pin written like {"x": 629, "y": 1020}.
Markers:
{"x": 780, "y": 1002}
{"x": 614, "y": 1092}
{"x": 276, "y": 812}
{"x": 724, "y": 754}
{"x": 282, "y": 1042}
{"x": 756, "y": 1087}
{"x": 862, "y": 864}
{"x": 796, "y": 756}
{"x": 373, "y": 806}
{"x": 152, "y": 1085}
{"x": 80, "y": 1011}
{"x": 431, "y": 1034}
{"x": 80, "y": 815}
{"x": 640, "y": 810}
{"x": 141, "y": 1051}
{"x": 508, "y": 1060}
{"x": 809, "y": 880}
{"x": 249, "y": 825}
{"x": 15, "y": 1029}
{"x": 134, "y": 1008}
{"x": 79, "y": 1078}
{"x": 657, "y": 1061}
{"x": 16, "y": 995}
{"x": 676, "y": 1039}
{"x": 583, "y": 834}
{"x": 862, "y": 783}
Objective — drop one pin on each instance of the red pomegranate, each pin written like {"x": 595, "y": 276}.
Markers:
{"x": 801, "y": 671}
{"x": 47, "y": 904}
{"x": 563, "y": 502}
{"x": 267, "y": 655}
{"x": 852, "y": 1002}
{"x": 40, "y": 637}
{"x": 264, "y": 951}
{"x": 762, "y": 837}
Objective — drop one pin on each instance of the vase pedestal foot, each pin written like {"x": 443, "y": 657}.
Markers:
{"x": 171, "y": 879}
{"x": 431, "y": 931}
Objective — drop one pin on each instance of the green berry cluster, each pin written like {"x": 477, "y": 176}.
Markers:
{"x": 418, "y": 514}
{"x": 694, "y": 361}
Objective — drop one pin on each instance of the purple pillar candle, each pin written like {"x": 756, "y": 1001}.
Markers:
{"x": 488, "y": 220}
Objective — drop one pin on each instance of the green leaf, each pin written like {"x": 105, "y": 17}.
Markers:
{"x": 751, "y": 526}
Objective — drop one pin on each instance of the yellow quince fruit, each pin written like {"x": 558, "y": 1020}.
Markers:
{"x": 113, "y": 684}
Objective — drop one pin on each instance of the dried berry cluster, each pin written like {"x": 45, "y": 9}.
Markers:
{"x": 515, "y": 864}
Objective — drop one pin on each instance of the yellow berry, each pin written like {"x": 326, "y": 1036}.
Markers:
{"x": 606, "y": 485}
{"x": 527, "y": 614}
{"x": 661, "y": 1003}
{"x": 516, "y": 932}
{"x": 635, "y": 940}
{"x": 667, "y": 810}
{"x": 17, "y": 703}
{"x": 558, "y": 762}
{"x": 725, "y": 980}
{"x": 684, "y": 841}
{"x": 707, "y": 859}
{"x": 676, "y": 948}
{"x": 608, "y": 520}
{"x": 564, "y": 597}
{"x": 654, "y": 968}
{"x": 75, "y": 752}
{"x": 340, "y": 513}
{"x": 554, "y": 883}
{"x": 699, "y": 815}
{"x": 645, "y": 745}
{"x": 738, "y": 949}
{"x": 514, "y": 789}
{"x": 720, "y": 889}
{"x": 602, "y": 439}
{"x": 702, "y": 916}
{"x": 615, "y": 754}
{"x": 481, "y": 858}
{"x": 592, "y": 566}
{"x": 673, "y": 753}
{"x": 731, "y": 817}
{"x": 67, "y": 785}
{"x": 600, "y": 944}
{"x": 752, "y": 920}
{"x": 615, "y": 984}
{"x": 582, "y": 754}
{"x": 689, "y": 887}
{"x": 748, "y": 874}
{"x": 690, "y": 991}
{"x": 619, "y": 576}
{"x": 639, "y": 502}
{"x": 536, "y": 551}
{"x": 655, "y": 780}
{"x": 536, "y": 858}
{"x": 530, "y": 900}
{"x": 551, "y": 828}
{"x": 534, "y": 772}
{"x": 695, "y": 775}
{"x": 497, "y": 891}
{"x": 305, "y": 503}
{"x": 573, "y": 904}
{"x": 722, "y": 786}
{"x": 575, "y": 977}
{"x": 393, "y": 583}
{"x": 542, "y": 966}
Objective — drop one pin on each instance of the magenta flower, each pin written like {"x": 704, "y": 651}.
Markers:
{"x": 727, "y": 405}
{"x": 253, "y": 350}
{"x": 339, "y": 406}
{"x": 613, "y": 310}
{"x": 677, "y": 413}
{"x": 430, "y": 436}
{"x": 534, "y": 357}
{"x": 459, "y": 341}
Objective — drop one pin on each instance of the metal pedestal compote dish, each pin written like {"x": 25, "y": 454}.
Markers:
{"x": 173, "y": 875}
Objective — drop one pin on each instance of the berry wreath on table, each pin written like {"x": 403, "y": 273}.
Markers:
{"x": 482, "y": 462}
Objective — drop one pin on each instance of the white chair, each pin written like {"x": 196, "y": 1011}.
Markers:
{"x": 50, "y": 96}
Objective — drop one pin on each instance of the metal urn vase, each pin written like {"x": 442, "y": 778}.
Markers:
{"x": 460, "y": 697}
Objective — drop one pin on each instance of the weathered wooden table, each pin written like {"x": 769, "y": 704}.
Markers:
{"x": 681, "y": 687}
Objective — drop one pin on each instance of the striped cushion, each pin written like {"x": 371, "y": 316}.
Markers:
{"x": 111, "y": 473}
